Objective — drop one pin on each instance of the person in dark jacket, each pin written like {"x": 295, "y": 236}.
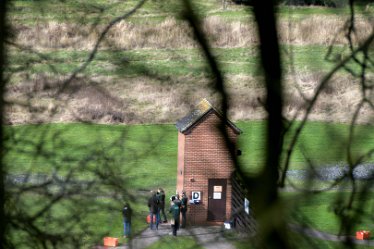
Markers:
{"x": 153, "y": 204}
{"x": 177, "y": 200}
{"x": 162, "y": 204}
{"x": 175, "y": 211}
{"x": 126, "y": 213}
{"x": 184, "y": 202}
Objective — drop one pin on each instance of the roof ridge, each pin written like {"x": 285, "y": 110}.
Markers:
{"x": 204, "y": 104}
{"x": 202, "y": 108}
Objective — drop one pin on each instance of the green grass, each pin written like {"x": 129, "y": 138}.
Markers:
{"x": 179, "y": 242}
{"x": 151, "y": 146}
{"x": 319, "y": 211}
{"x": 171, "y": 62}
{"x": 321, "y": 143}
{"x": 144, "y": 157}
{"x": 155, "y": 146}
{"x": 302, "y": 242}
{"x": 298, "y": 12}
{"x": 90, "y": 218}
{"x": 99, "y": 11}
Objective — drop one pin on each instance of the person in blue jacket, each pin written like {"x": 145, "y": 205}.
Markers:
{"x": 126, "y": 213}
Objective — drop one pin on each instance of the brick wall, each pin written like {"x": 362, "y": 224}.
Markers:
{"x": 180, "y": 171}
{"x": 205, "y": 156}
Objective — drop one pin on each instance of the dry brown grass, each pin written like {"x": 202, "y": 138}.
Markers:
{"x": 146, "y": 100}
{"x": 175, "y": 34}
{"x": 150, "y": 100}
{"x": 323, "y": 30}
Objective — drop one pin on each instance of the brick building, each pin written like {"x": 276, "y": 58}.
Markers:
{"x": 205, "y": 165}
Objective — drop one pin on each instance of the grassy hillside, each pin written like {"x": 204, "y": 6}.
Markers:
{"x": 149, "y": 69}
{"x": 28, "y": 11}
{"x": 174, "y": 62}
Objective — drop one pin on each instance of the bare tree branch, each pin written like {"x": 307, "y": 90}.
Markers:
{"x": 4, "y": 33}
{"x": 92, "y": 55}
{"x": 318, "y": 91}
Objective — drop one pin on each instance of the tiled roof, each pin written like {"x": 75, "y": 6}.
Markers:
{"x": 193, "y": 117}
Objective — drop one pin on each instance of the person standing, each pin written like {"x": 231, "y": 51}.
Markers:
{"x": 177, "y": 200}
{"x": 175, "y": 211}
{"x": 162, "y": 204}
{"x": 153, "y": 204}
{"x": 184, "y": 202}
{"x": 126, "y": 213}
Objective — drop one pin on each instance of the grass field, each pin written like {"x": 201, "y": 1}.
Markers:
{"x": 172, "y": 242}
{"x": 319, "y": 211}
{"x": 155, "y": 146}
{"x": 145, "y": 156}
{"x": 303, "y": 242}
{"x": 150, "y": 67}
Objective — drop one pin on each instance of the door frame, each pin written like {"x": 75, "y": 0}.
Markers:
{"x": 217, "y": 207}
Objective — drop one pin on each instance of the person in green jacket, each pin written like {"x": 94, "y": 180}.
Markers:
{"x": 175, "y": 211}
{"x": 177, "y": 201}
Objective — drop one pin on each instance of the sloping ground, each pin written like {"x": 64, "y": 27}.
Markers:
{"x": 173, "y": 33}
{"x": 149, "y": 68}
{"x": 150, "y": 100}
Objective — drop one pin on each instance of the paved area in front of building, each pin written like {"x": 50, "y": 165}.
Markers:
{"x": 211, "y": 237}
{"x": 207, "y": 237}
